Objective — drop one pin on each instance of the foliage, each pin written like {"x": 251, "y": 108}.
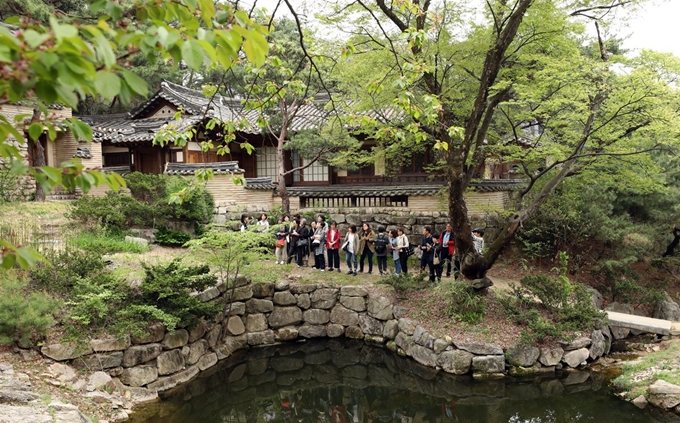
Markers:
{"x": 464, "y": 303}
{"x": 25, "y": 314}
{"x": 167, "y": 287}
{"x": 406, "y": 282}
{"x": 86, "y": 54}
{"x": 550, "y": 308}
{"x": 62, "y": 269}
{"x": 9, "y": 185}
{"x": 629, "y": 291}
{"x": 166, "y": 236}
{"x": 102, "y": 241}
{"x": 151, "y": 204}
{"x": 639, "y": 374}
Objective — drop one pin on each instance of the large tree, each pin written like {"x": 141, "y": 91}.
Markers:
{"x": 472, "y": 80}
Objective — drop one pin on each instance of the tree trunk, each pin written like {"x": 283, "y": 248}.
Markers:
{"x": 670, "y": 249}
{"x": 38, "y": 157}
{"x": 283, "y": 191}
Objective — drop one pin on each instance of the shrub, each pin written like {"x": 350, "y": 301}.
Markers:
{"x": 165, "y": 236}
{"x": 464, "y": 303}
{"x": 61, "y": 269}
{"x": 550, "y": 307}
{"x": 25, "y": 314}
{"x": 147, "y": 188}
{"x": 117, "y": 212}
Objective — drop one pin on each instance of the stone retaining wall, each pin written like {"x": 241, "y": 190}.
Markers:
{"x": 266, "y": 314}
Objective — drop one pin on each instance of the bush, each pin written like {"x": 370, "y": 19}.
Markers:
{"x": 165, "y": 236}
{"x": 62, "y": 269}
{"x": 25, "y": 314}
{"x": 153, "y": 201}
{"x": 551, "y": 307}
{"x": 464, "y": 303}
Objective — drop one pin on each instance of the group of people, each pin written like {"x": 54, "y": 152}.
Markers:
{"x": 297, "y": 240}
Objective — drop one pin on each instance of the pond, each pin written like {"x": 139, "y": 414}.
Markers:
{"x": 338, "y": 381}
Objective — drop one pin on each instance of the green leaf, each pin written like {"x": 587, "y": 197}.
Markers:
{"x": 62, "y": 31}
{"x": 256, "y": 48}
{"x": 136, "y": 84}
{"x": 34, "y": 39}
{"x": 107, "y": 84}
{"x": 104, "y": 50}
{"x": 192, "y": 54}
{"x": 207, "y": 11}
{"x": 35, "y": 130}
{"x": 52, "y": 173}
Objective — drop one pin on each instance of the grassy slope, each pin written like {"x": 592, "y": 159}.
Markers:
{"x": 642, "y": 372}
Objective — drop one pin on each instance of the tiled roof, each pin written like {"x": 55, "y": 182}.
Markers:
{"x": 260, "y": 183}
{"x": 119, "y": 130}
{"x": 83, "y": 153}
{"x": 394, "y": 190}
{"x": 191, "y": 168}
{"x": 121, "y": 170}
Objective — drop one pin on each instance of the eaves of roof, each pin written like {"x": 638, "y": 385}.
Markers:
{"x": 191, "y": 168}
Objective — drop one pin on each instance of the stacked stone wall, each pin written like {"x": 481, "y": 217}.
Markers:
{"x": 259, "y": 315}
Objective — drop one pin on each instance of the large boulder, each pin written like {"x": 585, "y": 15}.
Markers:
{"x": 334, "y": 330}
{"x": 424, "y": 356}
{"x": 110, "y": 344}
{"x": 551, "y": 356}
{"x": 405, "y": 342}
{"x": 598, "y": 346}
{"x": 304, "y": 301}
{"x": 664, "y": 394}
{"x": 242, "y": 293}
{"x": 488, "y": 364}
{"x": 343, "y": 316}
{"x": 99, "y": 361}
{"x": 408, "y": 326}
{"x": 257, "y": 305}
{"x": 578, "y": 343}
{"x": 175, "y": 339}
{"x": 370, "y": 326}
{"x": 287, "y": 334}
{"x": 380, "y": 308}
{"x": 139, "y": 376}
{"x": 284, "y": 298}
{"x": 667, "y": 309}
{"x": 140, "y": 354}
{"x": 353, "y": 303}
{"x": 263, "y": 290}
{"x": 153, "y": 333}
{"x": 66, "y": 350}
{"x": 170, "y": 362}
{"x": 316, "y": 316}
{"x": 457, "y": 362}
{"x": 285, "y": 316}
{"x": 576, "y": 357}
{"x": 423, "y": 337}
{"x": 302, "y": 288}
{"x": 196, "y": 351}
{"x": 312, "y": 331}
{"x": 325, "y": 298}
{"x": 522, "y": 355}
{"x": 353, "y": 291}
{"x": 265, "y": 337}
{"x": 354, "y": 332}
{"x": 256, "y": 322}
{"x": 235, "y": 326}
{"x": 391, "y": 329}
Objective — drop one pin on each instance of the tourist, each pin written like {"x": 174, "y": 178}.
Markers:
{"x": 333, "y": 247}
{"x": 292, "y": 238}
{"x": 395, "y": 252}
{"x": 380, "y": 245}
{"x": 310, "y": 250}
{"x": 366, "y": 248}
{"x": 244, "y": 222}
{"x": 478, "y": 239}
{"x": 425, "y": 247}
{"x": 319, "y": 245}
{"x": 321, "y": 220}
{"x": 351, "y": 247}
{"x": 436, "y": 262}
{"x": 263, "y": 223}
{"x": 281, "y": 234}
{"x": 302, "y": 233}
{"x": 448, "y": 244}
{"x": 402, "y": 247}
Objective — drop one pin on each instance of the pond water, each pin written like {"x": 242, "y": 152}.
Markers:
{"x": 335, "y": 381}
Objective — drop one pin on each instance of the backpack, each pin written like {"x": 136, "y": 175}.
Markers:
{"x": 380, "y": 244}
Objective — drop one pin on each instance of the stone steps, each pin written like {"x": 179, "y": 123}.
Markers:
{"x": 640, "y": 323}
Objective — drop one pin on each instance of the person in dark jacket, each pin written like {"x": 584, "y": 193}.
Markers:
{"x": 381, "y": 244}
{"x": 366, "y": 248}
{"x": 436, "y": 262}
{"x": 302, "y": 244}
{"x": 292, "y": 239}
{"x": 425, "y": 247}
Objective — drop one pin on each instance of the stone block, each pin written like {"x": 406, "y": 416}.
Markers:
{"x": 99, "y": 361}
{"x": 370, "y": 326}
{"x": 213, "y": 335}
{"x": 66, "y": 350}
{"x": 169, "y": 382}
{"x": 488, "y": 364}
{"x": 110, "y": 344}
{"x": 576, "y": 357}
{"x": 334, "y": 331}
{"x": 343, "y": 316}
{"x": 256, "y": 305}
{"x": 303, "y": 301}
{"x": 354, "y": 332}
{"x": 325, "y": 298}
{"x": 209, "y": 294}
{"x": 284, "y": 298}
{"x": 287, "y": 333}
{"x": 353, "y": 291}
{"x": 140, "y": 354}
{"x": 175, "y": 339}
{"x": 312, "y": 331}
{"x": 256, "y": 322}
{"x": 285, "y": 316}
{"x": 551, "y": 356}
{"x": 353, "y": 303}
{"x": 242, "y": 293}
{"x": 207, "y": 361}
{"x": 522, "y": 355}
{"x": 408, "y": 326}
{"x": 261, "y": 338}
{"x": 457, "y": 362}
{"x": 380, "y": 308}
{"x": 424, "y": 356}
{"x": 391, "y": 329}
{"x": 316, "y": 316}
{"x": 236, "y": 309}
{"x": 196, "y": 351}
{"x": 139, "y": 376}
{"x": 302, "y": 288}
{"x": 235, "y": 326}
{"x": 170, "y": 362}
{"x": 263, "y": 290}
{"x": 197, "y": 331}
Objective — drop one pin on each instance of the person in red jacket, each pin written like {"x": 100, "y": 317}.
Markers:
{"x": 333, "y": 247}
{"x": 448, "y": 243}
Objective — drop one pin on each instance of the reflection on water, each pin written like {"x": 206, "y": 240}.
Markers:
{"x": 349, "y": 382}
